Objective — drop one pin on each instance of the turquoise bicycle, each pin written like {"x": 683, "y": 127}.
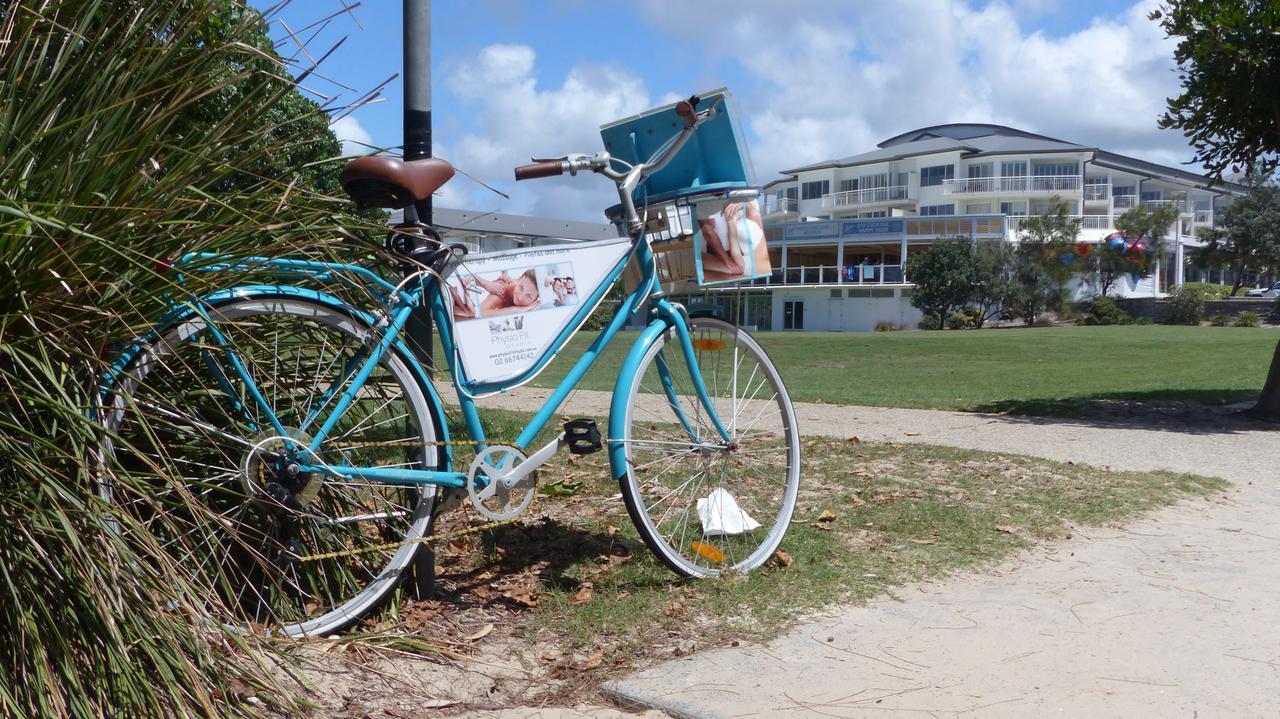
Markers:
{"x": 298, "y": 450}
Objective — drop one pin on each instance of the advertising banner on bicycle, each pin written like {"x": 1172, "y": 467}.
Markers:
{"x": 509, "y": 307}
{"x": 728, "y": 241}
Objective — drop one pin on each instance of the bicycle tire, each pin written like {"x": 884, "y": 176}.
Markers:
{"x": 673, "y": 452}
{"x": 196, "y": 480}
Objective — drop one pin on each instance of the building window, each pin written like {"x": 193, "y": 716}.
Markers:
{"x": 815, "y": 190}
{"x": 874, "y": 213}
{"x": 948, "y": 209}
{"x": 930, "y": 176}
{"x": 1124, "y": 190}
{"x": 1056, "y": 169}
{"x": 1013, "y": 208}
{"x": 1015, "y": 168}
{"x": 978, "y": 208}
{"x": 849, "y": 185}
{"x": 980, "y": 170}
{"x": 1151, "y": 195}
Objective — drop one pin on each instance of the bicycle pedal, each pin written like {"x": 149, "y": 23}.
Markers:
{"x": 582, "y": 435}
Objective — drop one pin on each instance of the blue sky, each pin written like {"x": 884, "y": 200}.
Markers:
{"x": 814, "y": 79}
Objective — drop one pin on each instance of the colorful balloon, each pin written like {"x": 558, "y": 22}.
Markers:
{"x": 1082, "y": 248}
{"x": 1068, "y": 258}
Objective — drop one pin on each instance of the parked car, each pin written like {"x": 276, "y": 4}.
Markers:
{"x": 1272, "y": 291}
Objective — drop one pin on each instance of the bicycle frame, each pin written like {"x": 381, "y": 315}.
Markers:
{"x": 400, "y": 303}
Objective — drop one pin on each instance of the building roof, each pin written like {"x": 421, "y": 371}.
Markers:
{"x": 980, "y": 139}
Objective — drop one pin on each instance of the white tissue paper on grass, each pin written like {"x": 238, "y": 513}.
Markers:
{"x": 721, "y": 515}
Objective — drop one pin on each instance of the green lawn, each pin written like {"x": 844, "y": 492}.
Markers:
{"x": 1036, "y": 370}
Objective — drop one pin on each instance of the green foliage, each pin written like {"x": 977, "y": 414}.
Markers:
{"x": 1148, "y": 224}
{"x": 1220, "y": 320}
{"x": 887, "y": 326}
{"x": 1248, "y": 318}
{"x": 1037, "y": 282}
{"x": 929, "y": 322}
{"x": 132, "y": 132}
{"x": 965, "y": 319}
{"x": 943, "y": 276}
{"x": 1184, "y": 306}
{"x": 1248, "y": 239}
{"x": 993, "y": 270}
{"x": 1144, "y": 321}
{"x": 1211, "y": 291}
{"x": 1226, "y": 59}
{"x": 1275, "y": 310}
{"x": 1105, "y": 311}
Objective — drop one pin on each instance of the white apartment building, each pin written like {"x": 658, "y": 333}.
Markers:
{"x": 840, "y": 231}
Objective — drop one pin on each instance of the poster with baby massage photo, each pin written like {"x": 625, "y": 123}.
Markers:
{"x": 509, "y": 306}
{"x": 729, "y": 242}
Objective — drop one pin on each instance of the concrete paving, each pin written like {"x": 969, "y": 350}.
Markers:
{"x": 1173, "y": 615}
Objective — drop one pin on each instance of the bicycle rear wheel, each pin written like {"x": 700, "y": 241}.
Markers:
{"x": 702, "y": 504}
{"x": 188, "y": 460}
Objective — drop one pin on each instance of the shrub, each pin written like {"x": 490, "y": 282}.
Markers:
{"x": 1144, "y": 321}
{"x": 1209, "y": 290}
{"x": 1105, "y": 311}
{"x": 887, "y": 326}
{"x": 1185, "y": 306}
{"x": 1220, "y": 320}
{"x": 1248, "y": 319}
{"x": 929, "y": 322}
{"x": 1275, "y": 310}
{"x": 965, "y": 319}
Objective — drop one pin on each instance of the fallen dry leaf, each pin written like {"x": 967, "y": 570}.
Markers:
{"x": 913, "y": 434}
{"x": 480, "y": 633}
{"x": 583, "y": 596}
{"x": 780, "y": 559}
{"x": 826, "y": 516}
{"x": 857, "y": 501}
{"x": 1006, "y": 529}
{"x": 928, "y": 540}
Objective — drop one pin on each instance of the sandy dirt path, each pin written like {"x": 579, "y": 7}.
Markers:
{"x": 1176, "y": 614}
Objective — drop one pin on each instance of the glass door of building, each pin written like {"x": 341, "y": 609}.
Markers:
{"x": 793, "y": 315}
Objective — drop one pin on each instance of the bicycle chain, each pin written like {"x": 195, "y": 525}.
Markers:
{"x": 420, "y": 540}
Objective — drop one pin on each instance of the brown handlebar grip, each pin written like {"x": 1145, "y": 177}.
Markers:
{"x": 548, "y": 168}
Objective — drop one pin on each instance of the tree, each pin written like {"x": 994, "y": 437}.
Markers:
{"x": 1248, "y": 239}
{"x": 1046, "y": 251}
{"x": 1226, "y": 57}
{"x": 1148, "y": 224}
{"x": 1227, "y": 60}
{"x": 943, "y": 277}
{"x": 994, "y": 263}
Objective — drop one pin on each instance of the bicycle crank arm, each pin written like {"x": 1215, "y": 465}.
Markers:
{"x": 535, "y": 460}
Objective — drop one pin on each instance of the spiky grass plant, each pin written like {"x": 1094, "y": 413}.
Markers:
{"x": 130, "y": 131}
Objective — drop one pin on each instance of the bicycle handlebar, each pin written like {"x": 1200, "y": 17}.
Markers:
{"x": 627, "y": 181}
{"x": 546, "y": 168}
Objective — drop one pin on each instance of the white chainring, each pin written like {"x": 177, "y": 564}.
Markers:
{"x": 499, "y": 500}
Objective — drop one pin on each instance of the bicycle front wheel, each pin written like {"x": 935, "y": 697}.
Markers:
{"x": 191, "y": 462}
{"x": 707, "y": 502}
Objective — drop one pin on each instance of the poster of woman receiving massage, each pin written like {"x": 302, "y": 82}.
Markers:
{"x": 729, "y": 242}
{"x": 508, "y": 307}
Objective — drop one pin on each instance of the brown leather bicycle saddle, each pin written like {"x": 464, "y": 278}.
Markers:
{"x": 379, "y": 181}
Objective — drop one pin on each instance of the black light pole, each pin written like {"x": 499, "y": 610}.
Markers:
{"x": 417, "y": 138}
{"x": 417, "y": 145}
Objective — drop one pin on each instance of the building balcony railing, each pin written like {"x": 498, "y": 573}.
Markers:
{"x": 869, "y": 196}
{"x": 833, "y": 275}
{"x": 1087, "y": 222}
{"x": 774, "y": 204}
{"x": 1097, "y": 192}
{"x": 1124, "y": 202}
{"x": 1012, "y": 185}
{"x": 1203, "y": 217}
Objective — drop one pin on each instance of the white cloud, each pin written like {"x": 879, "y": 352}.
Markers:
{"x": 824, "y": 80}
{"x": 834, "y": 80}
{"x": 510, "y": 118}
{"x": 354, "y": 138}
